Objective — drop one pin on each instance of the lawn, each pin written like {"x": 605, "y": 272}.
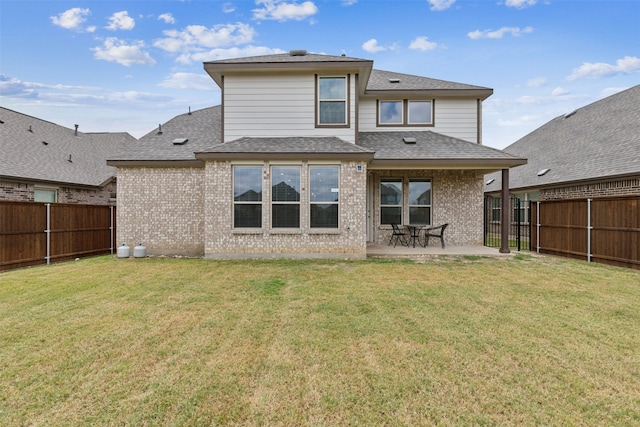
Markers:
{"x": 520, "y": 341}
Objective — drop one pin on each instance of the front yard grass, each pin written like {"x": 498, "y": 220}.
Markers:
{"x": 524, "y": 341}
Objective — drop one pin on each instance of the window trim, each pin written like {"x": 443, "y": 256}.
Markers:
{"x": 272, "y": 202}
{"x": 383, "y": 205}
{"x": 311, "y": 202}
{"x": 233, "y": 198}
{"x": 347, "y": 102}
{"x": 429, "y": 206}
{"x": 405, "y": 103}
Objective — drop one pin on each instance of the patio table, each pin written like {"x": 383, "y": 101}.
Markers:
{"x": 414, "y": 231}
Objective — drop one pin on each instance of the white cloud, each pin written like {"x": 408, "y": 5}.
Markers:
{"x": 228, "y": 8}
{"x": 536, "y": 82}
{"x": 121, "y": 21}
{"x": 371, "y": 46}
{"x": 560, "y": 91}
{"x": 235, "y": 52}
{"x": 349, "y": 2}
{"x": 520, "y": 4}
{"x": 197, "y": 37}
{"x": 626, "y": 65}
{"x": 498, "y": 34}
{"x": 422, "y": 43}
{"x": 441, "y": 4}
{"x": 115, "y": 50}
{"x": 189, "y": 81}
{"x": 167, "y": 18}
{"x": 280, "y": 10}
{"x": 71, "y": 19}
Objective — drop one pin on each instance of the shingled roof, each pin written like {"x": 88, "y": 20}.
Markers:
{"x": 427, "y": 148}
{"x": 37, "y": 150}
{"x": 598, "y": 141}
{"x": 176, "y": 140}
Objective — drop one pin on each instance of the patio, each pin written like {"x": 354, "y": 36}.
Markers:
{"x": 388, "y": 251}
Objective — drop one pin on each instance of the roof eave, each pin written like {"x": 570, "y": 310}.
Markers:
{"x": 156, "y": 163}
{"x": 488, "y": 165}
{"x": 284, "y": 156}
{"x": 480, "y": 94}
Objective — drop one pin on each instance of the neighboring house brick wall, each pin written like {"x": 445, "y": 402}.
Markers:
{"x": 222, "y": 241}
{"x": 620, "y": 187}
{"x": 456, "y": 198}
{"x": 16, "y": 191}
{"x": 24, "y": 192}
{"x": 163, "y": 209}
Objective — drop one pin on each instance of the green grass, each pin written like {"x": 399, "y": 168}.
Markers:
{"x": 527, "y": 340}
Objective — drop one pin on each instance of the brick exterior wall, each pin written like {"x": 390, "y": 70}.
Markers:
{"x": 457, "y": 199}
{"x": 621, "y": 187}
{"x": 18, "y": 191}
{"x": 222, "y": 241}
{"x": 163, "y": 209}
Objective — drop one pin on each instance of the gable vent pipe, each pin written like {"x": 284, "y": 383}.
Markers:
{"x": 159, "y": 129}
{"x": 76, "y": 132}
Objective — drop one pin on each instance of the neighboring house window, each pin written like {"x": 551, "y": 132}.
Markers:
{"x": 324, "y": 193}
{"x": 420, "y": 201}
{"x": 285, "y": 197}
{"x": 405, "y": 113}
{"x": 247, "y": 196}
{"x": 44, "y": 195}
{"x": 332, "y": 101}
{"x": 391, "y": 201}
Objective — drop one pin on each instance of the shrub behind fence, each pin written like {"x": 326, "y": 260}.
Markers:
{"x": 34, "y": 233}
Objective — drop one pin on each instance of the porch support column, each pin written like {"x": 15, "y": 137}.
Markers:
{"x": 505, "y": 211}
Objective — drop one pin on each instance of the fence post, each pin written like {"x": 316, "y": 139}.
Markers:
{"x": 111, "y": 228}
{"x": 48, "y": 233}
{"x": 518, "y": 224}
{"x": 589, "y": 228}
{"x": 538, "y": 227}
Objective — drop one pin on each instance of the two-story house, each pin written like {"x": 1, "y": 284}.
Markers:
{"x": 308, "y": 155}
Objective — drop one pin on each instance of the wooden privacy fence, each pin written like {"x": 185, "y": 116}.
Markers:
{"x": 41, "y": 233}
{"x": 605, "y": 230}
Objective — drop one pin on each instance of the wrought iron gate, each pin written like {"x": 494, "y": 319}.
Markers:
{"x": 519, "y": 227}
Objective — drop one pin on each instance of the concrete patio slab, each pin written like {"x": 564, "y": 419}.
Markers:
{"x": 388, "y": 251}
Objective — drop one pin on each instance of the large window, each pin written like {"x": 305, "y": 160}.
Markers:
{"x": 323, "y": 196}
{"x": 285, "y": 197}
{"x": 405, "y": 113}
{"x": 391, "y": 201}
{"x": 247, "y": 196}
{"x": 420, "y": 201}
{"x": 332, "y": 101}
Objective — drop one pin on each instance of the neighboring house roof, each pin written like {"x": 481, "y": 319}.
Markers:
{"x": 37, "y": 150}
{"x": 287, "y": 148}
{"x": 600, "y": 140}
{"x": 201, "y": 129}
{"x": 427, "y": 148}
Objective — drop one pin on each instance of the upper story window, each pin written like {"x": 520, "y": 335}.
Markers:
{"x": 405, "y": 113}
{"x": 332, "y": 101}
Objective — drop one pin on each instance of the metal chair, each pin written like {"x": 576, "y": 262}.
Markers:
{"x": 398, "y": 236}
{"x": 437, "y": 231}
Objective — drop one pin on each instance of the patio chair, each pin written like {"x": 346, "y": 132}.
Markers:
{"x": 437, "y": 231}
{"x": 398, "y": 236}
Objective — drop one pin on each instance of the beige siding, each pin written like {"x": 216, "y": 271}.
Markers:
{"x": 162, "y": 208}
{"x": 276, "y": 106}
{"x": 454, "y": 117}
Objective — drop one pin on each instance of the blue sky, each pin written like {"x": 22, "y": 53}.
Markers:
{"x": 130, "y": 65}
